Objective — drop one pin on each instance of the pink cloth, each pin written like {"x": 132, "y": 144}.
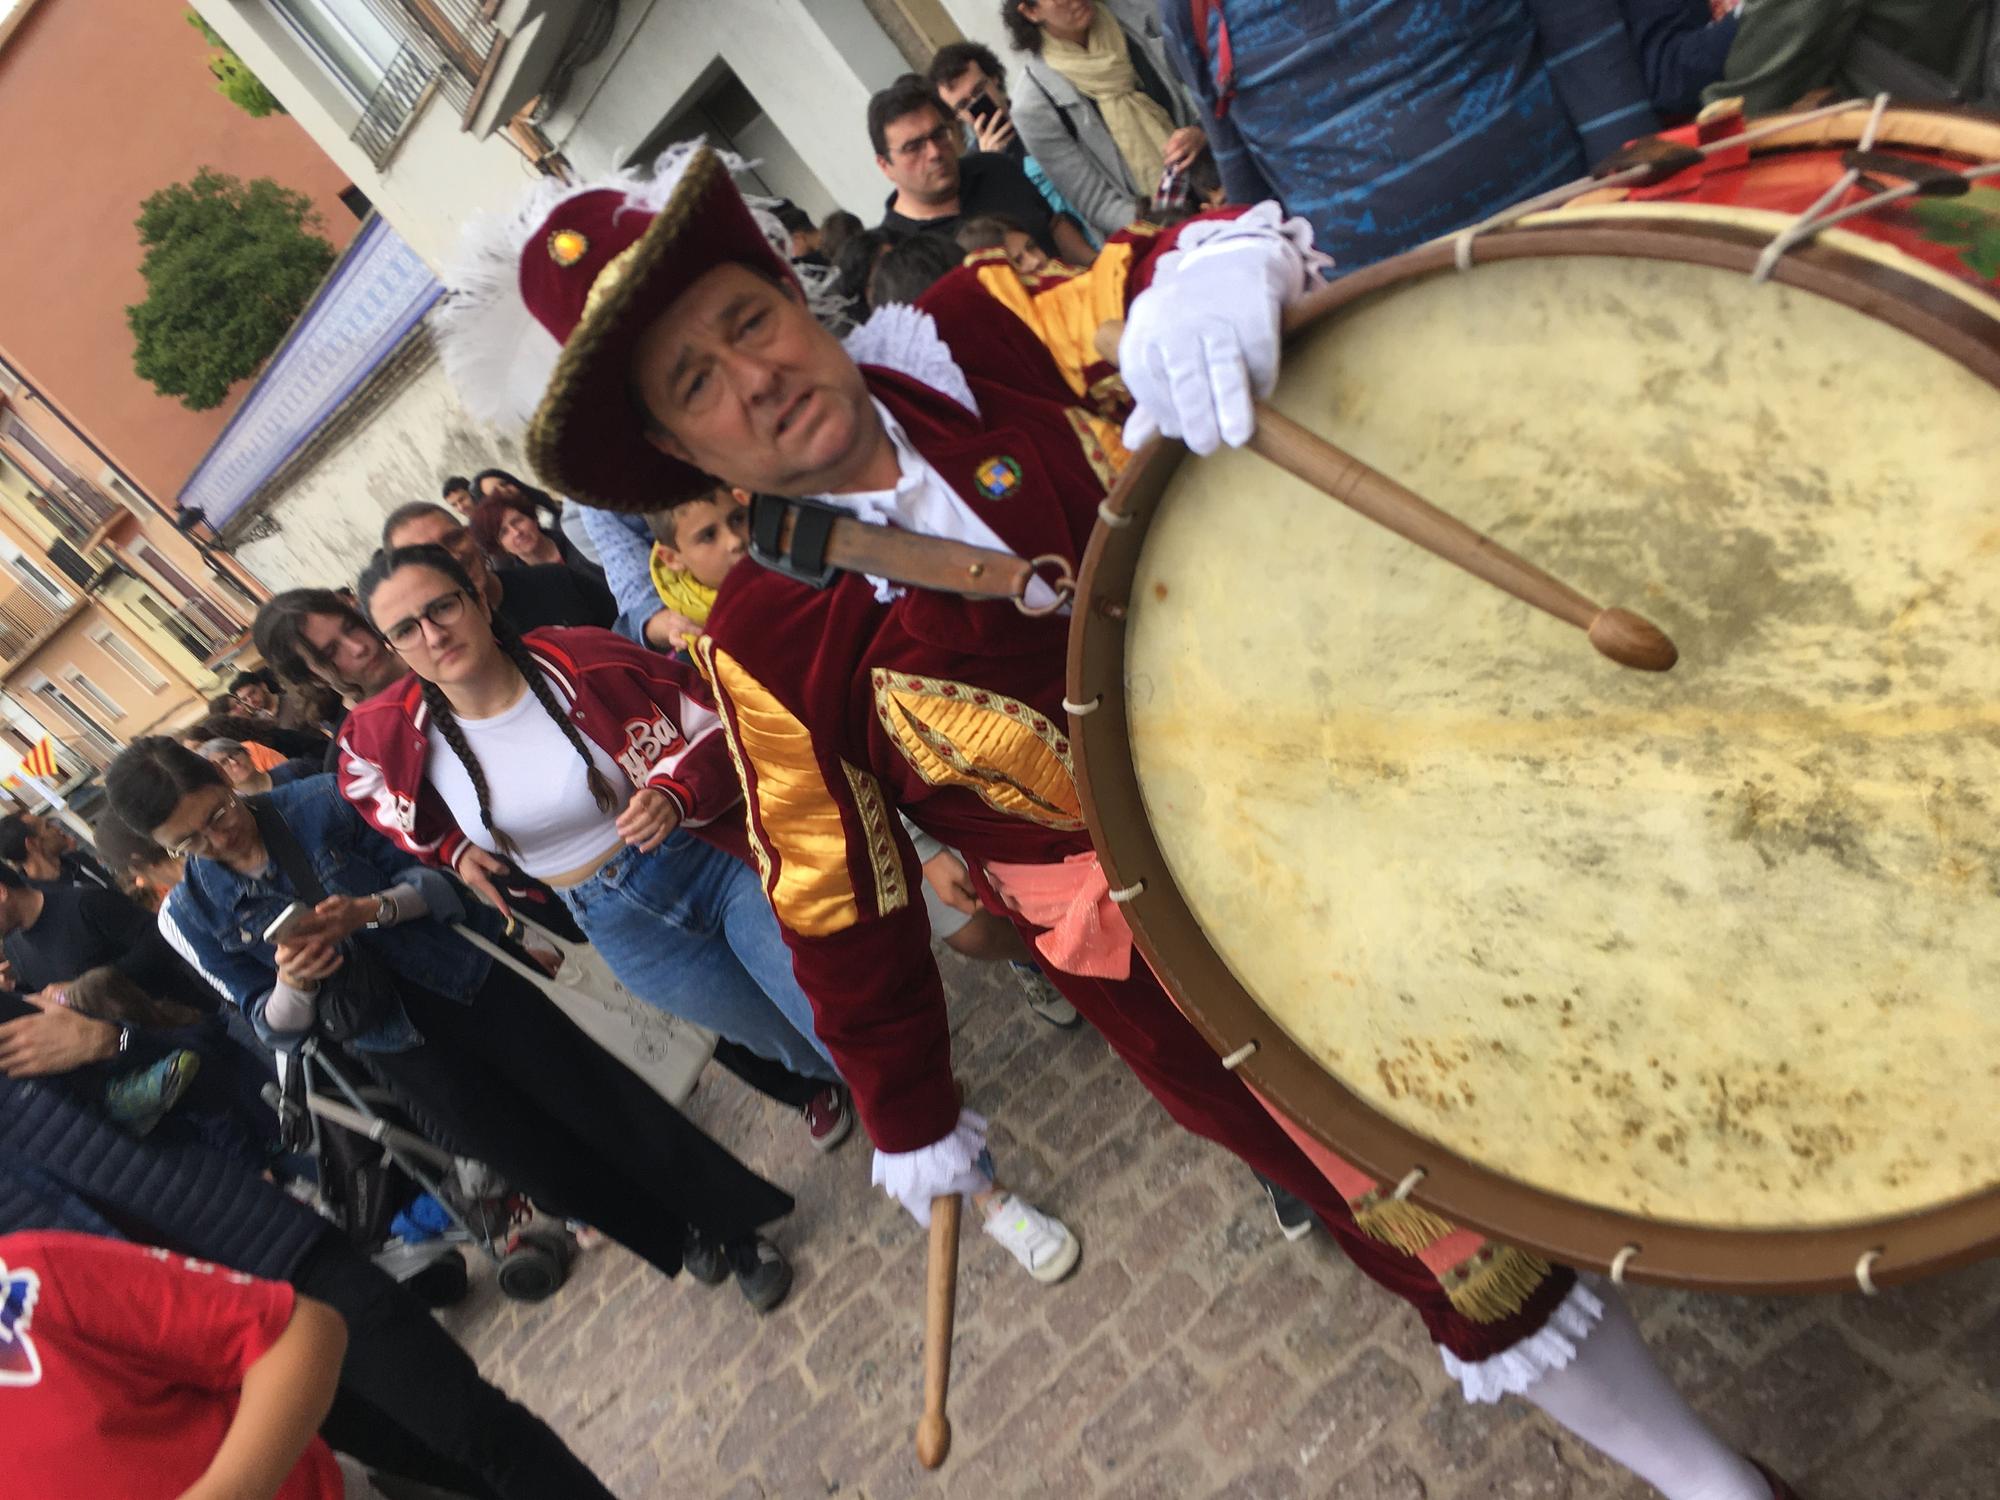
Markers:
{"x": 1087, "y": 933}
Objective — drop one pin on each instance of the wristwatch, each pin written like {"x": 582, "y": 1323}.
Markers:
{"x": 385, "y": 912}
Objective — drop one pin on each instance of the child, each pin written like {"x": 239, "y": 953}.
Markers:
{"x": 694, "y": 547}
{"x": 997, "y": 232}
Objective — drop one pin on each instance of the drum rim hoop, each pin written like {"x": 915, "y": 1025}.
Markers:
{"x": 1896, "y": 1248}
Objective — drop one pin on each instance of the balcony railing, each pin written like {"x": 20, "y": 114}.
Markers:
{"x": 27, "y": 618}
{"x": 394, "y": 103}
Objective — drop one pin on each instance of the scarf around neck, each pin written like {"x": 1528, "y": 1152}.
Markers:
{"x": 1100, "y": 68}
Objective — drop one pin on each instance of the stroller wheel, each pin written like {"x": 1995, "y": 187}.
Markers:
{"x": 535, "y": 1265}
{"x": 442, "y": 1283}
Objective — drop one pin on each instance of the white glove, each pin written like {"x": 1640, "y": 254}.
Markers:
{"x": 1201, "y": 343}
{"x": 956, "y": 1164}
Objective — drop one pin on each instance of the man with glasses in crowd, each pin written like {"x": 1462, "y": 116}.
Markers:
{"x": 917, "y": 144}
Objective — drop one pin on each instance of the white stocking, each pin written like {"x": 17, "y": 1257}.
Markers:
{"x": 1614, "y": 1397}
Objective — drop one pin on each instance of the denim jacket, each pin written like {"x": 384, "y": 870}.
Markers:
{"x": 219, "y": 916}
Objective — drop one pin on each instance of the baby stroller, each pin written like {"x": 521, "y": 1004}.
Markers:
{"x": 406, "y": 1202}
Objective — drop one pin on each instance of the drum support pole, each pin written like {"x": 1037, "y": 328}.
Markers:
{"x": 1619, "y": 634}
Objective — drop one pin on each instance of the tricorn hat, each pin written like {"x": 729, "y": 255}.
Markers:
{"x": 546, "y": 305}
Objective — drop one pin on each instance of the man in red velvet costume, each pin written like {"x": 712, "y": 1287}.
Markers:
{"x": 651, "y": 336}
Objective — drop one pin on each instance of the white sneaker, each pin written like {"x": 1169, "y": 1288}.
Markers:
{"x": 1044, "y": 999}
{"x": 1046, "y": 1249}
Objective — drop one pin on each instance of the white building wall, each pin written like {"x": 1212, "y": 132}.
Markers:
{"x": 810, "y": 64}
{"x": 980, "y": 21}
{"x": 328, "y": 521}
{"x": 439, "y": 176}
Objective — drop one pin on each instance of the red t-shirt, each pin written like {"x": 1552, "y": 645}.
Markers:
{"x": 120, "y": 1368}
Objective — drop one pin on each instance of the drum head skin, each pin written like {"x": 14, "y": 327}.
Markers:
{"x": 1706, "y": 962}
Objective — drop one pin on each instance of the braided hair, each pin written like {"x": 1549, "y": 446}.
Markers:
{"x": 392, "y": 560}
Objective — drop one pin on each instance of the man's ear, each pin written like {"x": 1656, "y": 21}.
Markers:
{"x": 883, "y": 163}
{"x": 667, "y": 443}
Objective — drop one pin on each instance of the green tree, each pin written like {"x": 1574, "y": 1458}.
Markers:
{"x": 233, "y": 78}
{"x": 228, "y": 266}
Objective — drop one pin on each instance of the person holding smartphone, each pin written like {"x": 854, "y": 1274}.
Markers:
{"x": 310, "y": 921}
{"x": 969, "y": 79}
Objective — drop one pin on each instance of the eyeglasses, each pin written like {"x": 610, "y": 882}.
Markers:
{"x": 197, "y": 841}
{"x": 441, "y": 611}
{"x": 943, "y": 138}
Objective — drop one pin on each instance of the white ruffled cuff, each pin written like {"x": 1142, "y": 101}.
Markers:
{"x": 956, "y": 1164}
{"x": 1550, "y": 1347}
{"x": 1291, "y": 264}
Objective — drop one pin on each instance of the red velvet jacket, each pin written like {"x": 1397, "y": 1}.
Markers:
{"x": 647, "y": 711}
{"x": 842, "y": 710}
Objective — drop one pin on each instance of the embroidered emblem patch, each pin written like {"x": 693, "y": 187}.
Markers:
{"x": 997, "y": 477}
{"x": 567, "y": 247}
{"x": 20, "y": 1363}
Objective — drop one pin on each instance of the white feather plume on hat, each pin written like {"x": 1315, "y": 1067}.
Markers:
{"x": 497, "y": 355}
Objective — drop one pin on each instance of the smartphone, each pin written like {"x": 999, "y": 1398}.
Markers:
{"x": 981, "y": 107}
{"x": 287, "y": 923}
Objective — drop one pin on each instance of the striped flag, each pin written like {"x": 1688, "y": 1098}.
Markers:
{"x": 41, "y": 761}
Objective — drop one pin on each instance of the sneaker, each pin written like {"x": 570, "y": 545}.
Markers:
{"x": 1044, "y": 999}
{"x": 828, "y": 1117}
{"x": 1046, "y": 1249}
{"x": 1295, "y": 1220}
{"x": 141, "y": 1099}
{"x": 704, "y": 1261}
{"x": 762, "y": 1272}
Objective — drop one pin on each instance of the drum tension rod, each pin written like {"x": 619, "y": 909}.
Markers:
{"x": 1619, "y": 634}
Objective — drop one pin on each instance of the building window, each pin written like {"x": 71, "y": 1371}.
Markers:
{"x": 99, "y": 743}
{"x": 130, "y": 658}
{"x": 53, "y": 594}
{"x": 351, "y": 41}
{"x": 95, "y": 694}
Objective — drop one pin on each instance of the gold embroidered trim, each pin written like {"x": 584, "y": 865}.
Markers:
{"x": 891, "y": 894}
{"x": 953, "y": 734}
{"x": 1410, "y": 1227}
{"x": 1496, "y": 1283}
{"x": 813, "y": 892}
{"x": 704, "y": 659}
{"x": 1065, "y": 314}
{"x": 1098, "y": 438}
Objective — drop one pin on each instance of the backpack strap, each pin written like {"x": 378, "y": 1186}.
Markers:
{"x": 286, "y": 851}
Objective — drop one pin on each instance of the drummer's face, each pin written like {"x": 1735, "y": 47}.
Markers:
{"x": 742, "y": 382}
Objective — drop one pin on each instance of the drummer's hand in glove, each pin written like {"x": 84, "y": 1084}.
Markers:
{"x": 958, "y": 1163}
{"x": 1200, "y": 346}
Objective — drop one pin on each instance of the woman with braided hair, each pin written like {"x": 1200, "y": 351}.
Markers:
{"x": 599, "y": 767}
{"x": 585, "y": 760}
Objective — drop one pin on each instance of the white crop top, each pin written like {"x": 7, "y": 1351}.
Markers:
{"x": 537, "y": 787}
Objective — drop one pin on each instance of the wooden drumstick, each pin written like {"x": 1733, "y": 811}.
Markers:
{"x": 1619, "y": 634}
{"x": 940, "y": 1303}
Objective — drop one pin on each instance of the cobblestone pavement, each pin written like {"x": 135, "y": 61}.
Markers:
{"x": 1194, "y": 1353}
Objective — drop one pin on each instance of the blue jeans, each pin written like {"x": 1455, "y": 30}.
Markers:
{"x": 687, "y": 928}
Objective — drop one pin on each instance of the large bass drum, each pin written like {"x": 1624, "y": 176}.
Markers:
{"x": 1694, "y": 974}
